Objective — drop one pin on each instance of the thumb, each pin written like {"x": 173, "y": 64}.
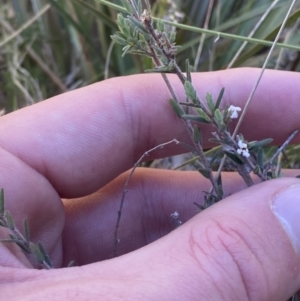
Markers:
{"x": 246, "y": 247}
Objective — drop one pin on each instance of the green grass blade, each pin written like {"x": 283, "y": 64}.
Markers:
{"x": 104, "y": 18}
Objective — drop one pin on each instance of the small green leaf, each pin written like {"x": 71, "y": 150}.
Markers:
{"x": 203, "y": 115}
{"x": 140, "y": 8}
{"x": 143, "y": 38}
{"x": 10, "y": 221}
{"x": 218, "y": 116}
{"x": 191, "y": 92}
{"x": 13, "y": 237}
{"x": 210, "y": 103}
{"x": 220, "y": 188}
{"x": 172, "y": 36}
{"x": 22, "y": 244}
{"x": 197, "y": 135}
{"x": 200, "y": 207}
{"x": 233, "y": 157}
{"x": 36, "y": 252}
{"x": 215, "y": 140}
{"x": 2, "y": 206}
{"x": 188, "y": 70}
{"x": 220, "y": 96}
{"x": 274, "y": 175}
{"x": 260, "y": 158}
{"x": 138, "y": 24}
{"x": 24, "y": 248}
{"x": 189, "y": 78}
{"x": 132, "y": 41}
{"x": 124, "y": 27}
{"x": 219, "y": 180}
{"x": 46, "y": 257}
{"x": 160, "y": 26}
{"x": 128, "y": 7}
{"x": 126, "y": 49}
{"x": 227, "y": 114}
{"x": 214, "y": 157}
{"x": 195, "y": 118}
{"x": 162, "y": 69}
{"x": 7, "y": 240}
{"x": 258, "y": 144}
{"x": 257, "y": 170}
{"x": 210, "y": 199}
{"x": 119, "y": 40}
{"x": 219, "y": 120}
{"x": 176, "y": 107}
{"x": 26, "y": 229}
{"x": 171, "y": 66}
{"x": 120, "y": 21}
{"x": 279, "y": 174}
{"x": 204, "y": 172}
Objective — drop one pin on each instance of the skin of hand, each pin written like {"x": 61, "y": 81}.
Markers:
{"x": 78, "y": 146}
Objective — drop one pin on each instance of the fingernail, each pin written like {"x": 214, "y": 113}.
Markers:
{"x": 286, "y": 207}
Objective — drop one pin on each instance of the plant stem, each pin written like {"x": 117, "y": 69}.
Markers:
{"x": 169, "y": 55}
{"x": 257, "y": 82}
{"x": 279, "y": 150}
{"x": 125, "y": 190}
{"x": 207, "y": 31}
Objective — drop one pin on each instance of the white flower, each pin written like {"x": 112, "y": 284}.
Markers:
{"x": 243, "y": 150}
{"x": 175, "y": 215}
{"x": 234, "y": 111}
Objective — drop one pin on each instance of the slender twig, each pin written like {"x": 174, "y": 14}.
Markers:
{"x": 257, "y": 82}
{"x": 244, "y": 173}
{"x": 53, "y": 77}
{"x": 125, "y": 189}
{"x": 263, "y": 69}
{"x": 261, "y": 20}
{"x": 26, "y": 25}
{"x": 279, "y": 150}
{"x": 169, "y": 55}
{"x": 207, "y": 31}
{"x": 18, "y": 237}
{"x": 213, "y": 50}
{"x": 107, "y": 61}
{"x": 136, "y": 13}
{"x": 206, "y": 23}
{"x": 287, "y": 39}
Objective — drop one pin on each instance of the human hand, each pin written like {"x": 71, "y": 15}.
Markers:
{"x": 77, "y": 145}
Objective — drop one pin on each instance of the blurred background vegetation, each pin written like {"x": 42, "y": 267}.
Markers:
{"x": 48, "y": 47}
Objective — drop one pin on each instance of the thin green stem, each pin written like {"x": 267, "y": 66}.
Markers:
{"x": 252, "y": 33}
{"x": 257, "y": 82}
{"x": 206, "y": 23}
{"x": 26, "y": 25}
{"x": 125, "y": 190}
{"x": 209, "y": 32}
{"x": 263, "y": 69}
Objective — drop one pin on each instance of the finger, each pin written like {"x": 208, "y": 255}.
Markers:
{"x": 153, "y": 195}
{"x": 83, "y": 139}
{"x": 243, "y": 248}
{"x": 27, "y": 194}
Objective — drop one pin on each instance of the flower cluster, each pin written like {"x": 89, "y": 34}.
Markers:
{"x": 234, "y": 111}
{"x": 243, "y": 149}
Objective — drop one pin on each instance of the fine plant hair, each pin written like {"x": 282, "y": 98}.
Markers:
{"x": 139, "y": 34}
